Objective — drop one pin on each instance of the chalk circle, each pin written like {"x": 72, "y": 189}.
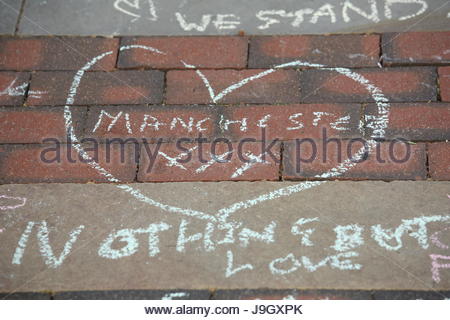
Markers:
{"x": 378, "y": 124}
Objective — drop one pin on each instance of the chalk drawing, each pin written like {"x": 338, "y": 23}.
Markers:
{"x": 226, "y": 21}
{"x": 293, "y": 118}
{"x": 267, "y": 236}
{"x": 130, "y": 6}
{"x": 324, "y": 11}
{"x": 436, "y": 266}
{"x": 128, "y": 236}
{"x": 188, "y": 26}
{"x": 388, "y": 8}
{"x": 373, "y": 16}
{"x": 415, "y": 228}
{"x": 248, "y": 165}
{"x": 23, "y": 241}
{"x": 293, "y": 265}
{"x": 46, "y": 249}
{"x": 19, "y": 200}
{"x": 12, "y": 91}
{"x": 44, "y": 244}
{"x": 348, "y": 237}
{"x": 379, "y": 124}
{"x": 305, "y": 234}
{"x": 176, "y": 295}
{"x": 183, "y": 239}
{"x": 230, "y": 270}
{"x": 214, "y": 159}
{"x": 263, "y": 15}
{"x": 437, "y": 242}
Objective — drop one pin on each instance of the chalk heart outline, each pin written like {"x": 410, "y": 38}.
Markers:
{"x": 222, "y": 215}
{"x": 21, "y": 202}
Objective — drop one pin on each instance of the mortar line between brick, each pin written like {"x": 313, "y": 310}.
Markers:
{"x": 362, "y": 119}
{"x": 19, "y": 17}
{"x": 116, "y": 64}
{"x": 438, "y": 86}
{"x": 27, "y": 89}
{"x": 427, "y": 162}
{"x": 138, "y": 162}
{"x": 248, "y": 53}
{"x": 280, "y": 169}
{"x": 164, "y": 93}
{"x": 380, "y": 55}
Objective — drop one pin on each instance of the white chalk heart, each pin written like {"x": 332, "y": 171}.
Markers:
{"x": 222, "y": 215}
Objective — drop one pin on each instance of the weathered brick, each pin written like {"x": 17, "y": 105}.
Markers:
{"x": 56, "y": 53}
{"x": 414, "y": 121}
{"x": 13, "y": 87}
{"x": 24, "y": 164}
{"x": 396, "y": 84}
{"x": 334, "y": 50}
{"x": 287, "y": 122}
{"x": 152, "y": 123}
{"x": 202, "y": 52}
{"x": 119, "y": 87}
{"x": 185, "y": 86}
{"x": 302, "y": 161}
{"x": 420, "y": 48}
{"x": 444, "y": 83}
{"x": 439, "y": 160}
{"x": 25, "y": 125}
{"x": 207, "y": 162}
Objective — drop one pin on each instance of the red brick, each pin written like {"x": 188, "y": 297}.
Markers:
{"x": 415, "y": 121}
{"x": 287, "y": 122}
{"x": 413, "y": 166}
{"x": 335, "y": 50}
{"x": 171, "y": 170}
{"x": 56, "y": 53}
{"x": 119, "y": 87}
{"x": 152, "y": 123}
{"x": 202, "y": 52}
{"x": 25, "y": 125}
{"x": 439, "y": 160}
{"x": 23, "y": 164}
{"x": 396, "y": 84}
{"x": 419, "y": 48}
{"x": 13, "y": 87}
{"x": 444, "y": 83}
{"x": 187, "y": 87}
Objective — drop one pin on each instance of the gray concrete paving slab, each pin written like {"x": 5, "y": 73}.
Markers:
{"x": 307, "y": 235}
{"x": 9, "y": 13}
{"x": 216, "y": 17}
